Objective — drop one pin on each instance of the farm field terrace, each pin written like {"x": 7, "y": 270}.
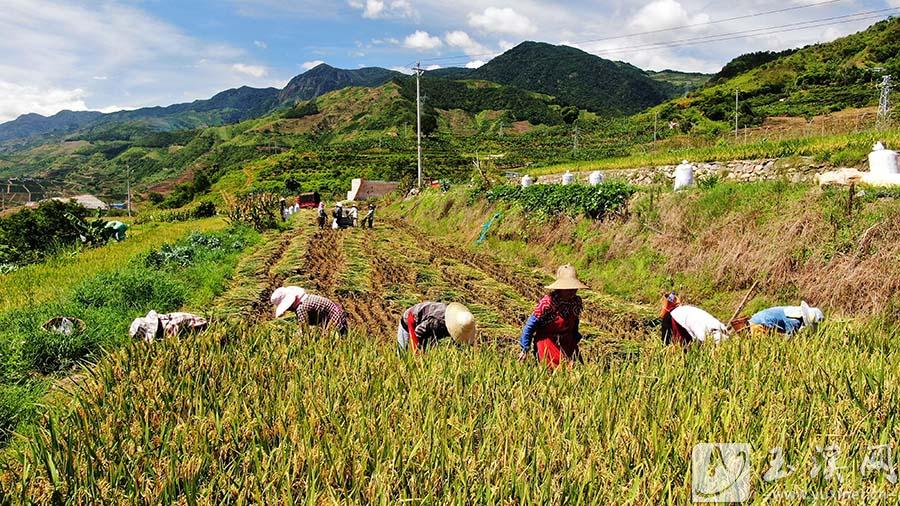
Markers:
{"x": 249, "y": 412}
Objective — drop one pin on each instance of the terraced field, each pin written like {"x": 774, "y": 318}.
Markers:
{"x": 375, "y": 274}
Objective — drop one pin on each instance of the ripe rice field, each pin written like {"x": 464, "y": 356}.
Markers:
{"x": 248, "y": 412}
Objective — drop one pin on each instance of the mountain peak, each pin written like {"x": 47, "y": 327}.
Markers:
{"x": 324, "y": 78}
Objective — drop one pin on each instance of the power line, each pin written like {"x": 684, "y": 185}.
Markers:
{"x": 848, "y": 18}
{"x": 662, "y": 30}
{"x": 790, "y": 27}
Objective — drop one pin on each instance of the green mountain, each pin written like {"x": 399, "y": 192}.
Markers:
{"x": 323, "y": 78}
{"x": 684, "y": 81}
{"x": 576, "y": 78}
{"x": 29, "y": 125}
{"x": 230, "y": 106}
{"x": 810, "y": 81}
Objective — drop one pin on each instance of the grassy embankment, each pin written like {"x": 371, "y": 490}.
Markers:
{"x": 797, "y": 240}
{"x": 105, "y": 288}
{"x": 841, "y": 150}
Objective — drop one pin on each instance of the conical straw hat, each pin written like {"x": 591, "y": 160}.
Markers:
{"x": 566, "y": 279}
{"x": 460, "y": 323}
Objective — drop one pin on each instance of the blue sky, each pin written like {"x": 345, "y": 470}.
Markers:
{"x": 113, "y": 54}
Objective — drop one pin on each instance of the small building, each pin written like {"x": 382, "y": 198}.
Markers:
{"x": 363, "y": 189}
{"x": 88, "y": 201}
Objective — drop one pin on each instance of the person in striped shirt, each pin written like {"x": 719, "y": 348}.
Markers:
{"x": 311, "y": 309}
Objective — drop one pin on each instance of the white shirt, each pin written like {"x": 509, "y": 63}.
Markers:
{"x": 699, "y": 323}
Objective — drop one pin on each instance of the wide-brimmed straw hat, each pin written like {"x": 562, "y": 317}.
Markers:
{"x": 285, "y": 297}
{"x": 460, "y": 323}
{"x": 812, "y": 316}
{"x": 566, "y": 279}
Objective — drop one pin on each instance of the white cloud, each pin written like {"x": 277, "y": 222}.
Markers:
{"x": 433, "y": 67}
{"x": 461, "y": 40}
{"x": 505, "y": 20}
{"x": 55, "y": 46}
{"x": 385, "y": 41}
{"x": 260, "y": 44}
{"x": 403, "y": 70}
{"x": 311, "y": 64}
{"x": 16, "y": 100}
{"x": 100, "y": 78}
{"x": 474, "y": 64}
{"x": 250, "y": 70}
{"x": 374, "y": 9}
{"x": 661, "y": 14}
{"x": 422, "y": 41}
{"x": 116, "y": 108}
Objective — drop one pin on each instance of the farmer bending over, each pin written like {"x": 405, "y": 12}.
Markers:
{"x": 427, "y": 322}
{"x": 786, "y": 319}
{"x": 684, "y": 324}
{"x": 310, "y": 309}
{"x": 553, "y": 326}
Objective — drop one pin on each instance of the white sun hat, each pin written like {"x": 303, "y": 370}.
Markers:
{"x": 812, "y": 316}
{"x": 285, "y": 298}
{"x": 460, "y": 323}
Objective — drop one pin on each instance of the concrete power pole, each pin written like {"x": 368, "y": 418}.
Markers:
{"x": 128, "y": 187}
{"x": 883, "y": 119}
{"x": 419, "y": 72}
{"x": 735, "y": 114}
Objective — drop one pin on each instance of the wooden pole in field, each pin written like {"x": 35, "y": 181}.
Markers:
{"x": 743, "y": 302}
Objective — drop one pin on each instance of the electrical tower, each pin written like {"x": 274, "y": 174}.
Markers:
{"x": 883, "y": 120}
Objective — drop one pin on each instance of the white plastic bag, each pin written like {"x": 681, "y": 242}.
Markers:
{"x": 684, "y": 175}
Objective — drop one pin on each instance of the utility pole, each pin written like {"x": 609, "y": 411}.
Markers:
{"x": 883, "y": 119}
{"x": 419, "y": 70}
{"x": 655, "y": 120}
{"x": 128, "y": 188}
{"x": 735, "y": 114}
{"x": 575, "y": 141}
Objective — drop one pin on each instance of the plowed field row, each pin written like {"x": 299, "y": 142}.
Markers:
{"x": 375, "y": 274}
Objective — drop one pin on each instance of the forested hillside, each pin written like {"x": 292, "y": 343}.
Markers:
{"x": 806, "y": 82}
{"x": 576, "y": 78}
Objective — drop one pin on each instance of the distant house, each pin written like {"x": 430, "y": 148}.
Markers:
{"x": 86, "y": 200}
{"x": 363, "y": 189}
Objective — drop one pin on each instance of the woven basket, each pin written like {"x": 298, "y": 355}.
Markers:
{"x": 54, "y": 323}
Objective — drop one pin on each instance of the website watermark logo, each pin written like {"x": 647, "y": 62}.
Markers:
{"x": 720, "y": 472}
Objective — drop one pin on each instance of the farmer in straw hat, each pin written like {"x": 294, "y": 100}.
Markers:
{"x": 310, "y": 309}
{"x": 786, "y": 319}
{"x": 425, "y": 323}
{"x": 157, "y": 326}
{"x": 684, "y": 324}
{"x": 553, "y": 326}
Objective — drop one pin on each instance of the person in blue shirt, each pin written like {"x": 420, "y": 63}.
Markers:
{"x": 786, "y": 319}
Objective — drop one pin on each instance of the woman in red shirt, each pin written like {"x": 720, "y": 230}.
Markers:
{"x": 553, "y": 326}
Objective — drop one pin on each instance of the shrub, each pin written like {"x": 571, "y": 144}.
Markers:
{"x": 30, "y": 235}
{"x": 259, "y": 211}
{"x": 592, "y": 201}
{"x": 138, "y": 289}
